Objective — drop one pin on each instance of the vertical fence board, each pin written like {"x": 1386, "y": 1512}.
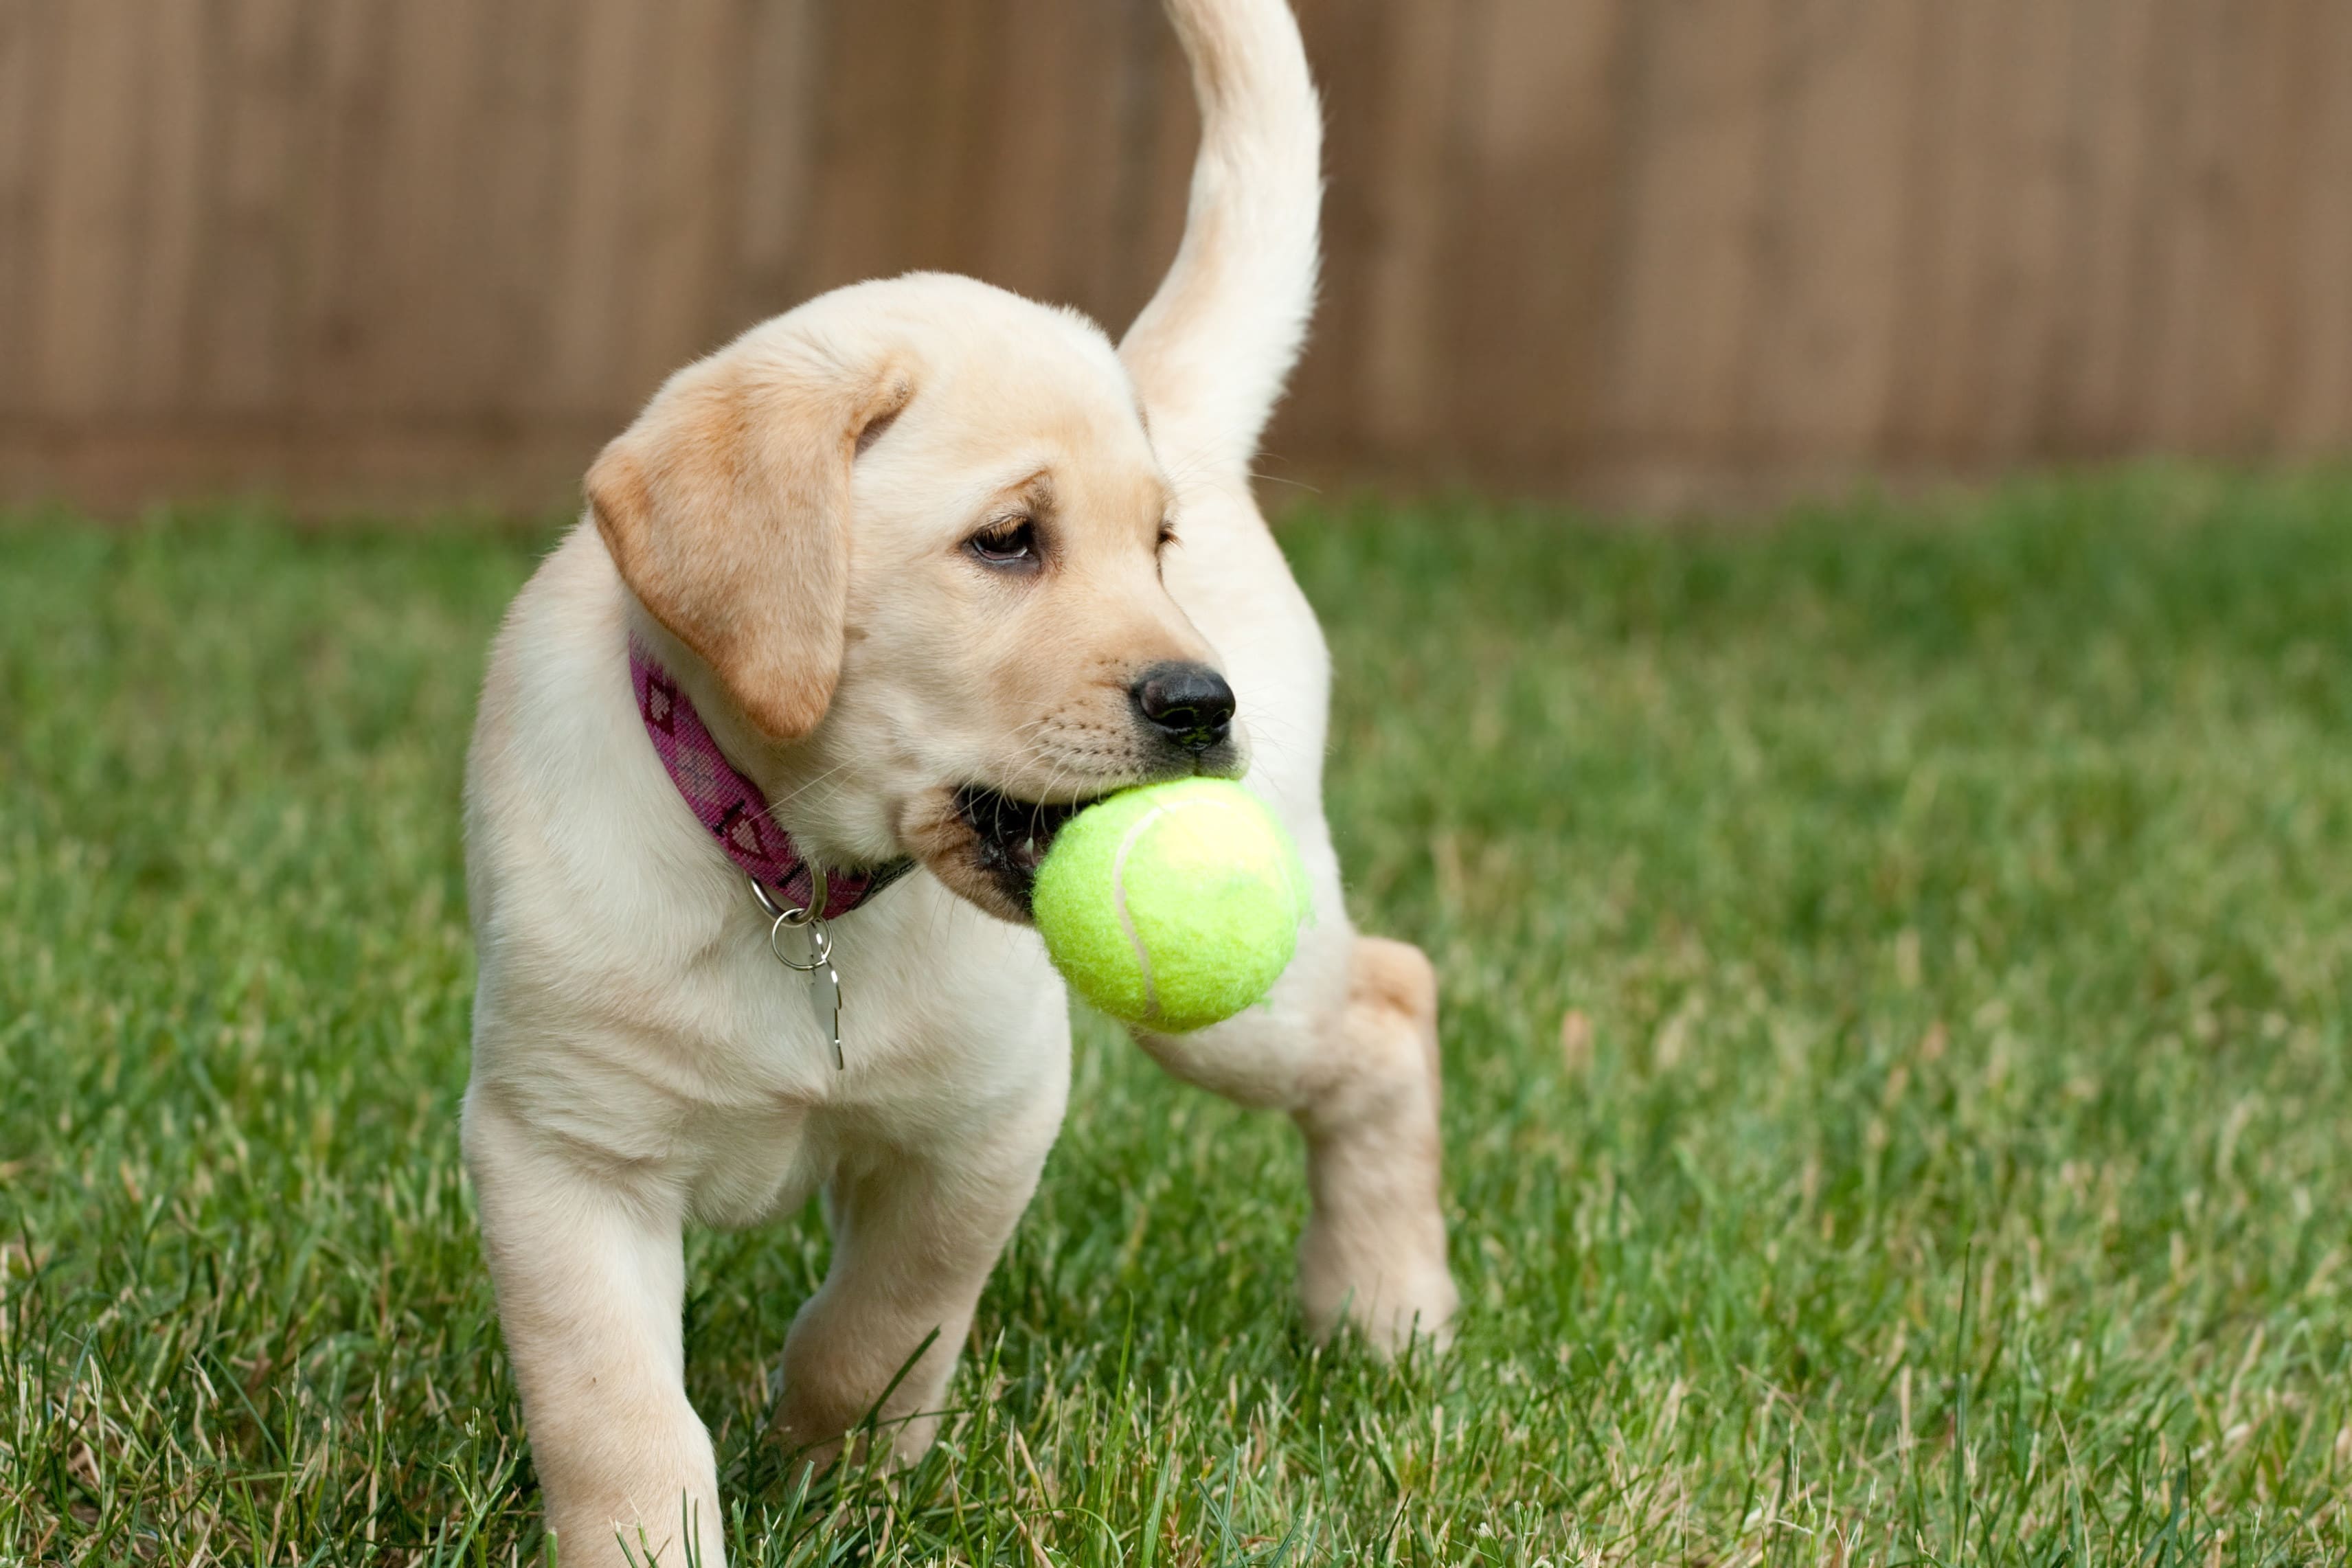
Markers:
{"x": 1522, "y": 322}
{"x": 246, "y": 351}
{"x": 1350, "y": 50}
{"x": 1686, "y": 290}
{"x": 2197, "y": 211}
{"x": 171, "y": 157}
{"x": 2099, "y": 297}
{"x": 1831, "y": 247}
{"x": 893, "y": 191}
{"x": 2167, "y": 268}
{"x": 680, "y": 164}
{"x": 340, "y": 292}
{"x": 1154, "y": 129}
{"x": 2250, "y": 133}
{"x": 28, "y": 51}
{"x": 588, "y": 278}
{"x": 2029, "y": 156}
{"x": 1414, "y": 155}
{"x": 90, "y": 236}
{"x": 1963, "y": 74}
{"x": 521, "y": 191}
{"x": 2317, "y": 398}
{"x": 432, "y": 268}
{"x": 1052, "y": 161}
{"x": 779, "y": 84}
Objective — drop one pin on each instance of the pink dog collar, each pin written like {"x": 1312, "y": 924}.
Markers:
{"x": 731, "y": 805}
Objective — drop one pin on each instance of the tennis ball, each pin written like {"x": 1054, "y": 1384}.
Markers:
{"x": 1173, "y": 905}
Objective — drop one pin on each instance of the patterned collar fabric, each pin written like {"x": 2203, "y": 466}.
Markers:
{"x": 730, "y": 805}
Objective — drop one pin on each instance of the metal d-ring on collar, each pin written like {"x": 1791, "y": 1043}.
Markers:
{"x": 810, "y": 919}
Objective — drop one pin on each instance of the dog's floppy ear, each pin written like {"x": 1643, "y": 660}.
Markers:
{"x": 726, "y": 507}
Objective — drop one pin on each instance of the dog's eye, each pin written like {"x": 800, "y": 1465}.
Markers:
{"x": 1008, "y": 543}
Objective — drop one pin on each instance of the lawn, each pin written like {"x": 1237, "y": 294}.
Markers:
{"x": 1947, "y": 1156}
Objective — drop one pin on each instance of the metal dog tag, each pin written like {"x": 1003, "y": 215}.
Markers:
{"x": 824, "y": 1001}
{"x": 823, "y": 977}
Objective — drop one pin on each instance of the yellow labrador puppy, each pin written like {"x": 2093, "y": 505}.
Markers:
{"x": 915, "y": 570}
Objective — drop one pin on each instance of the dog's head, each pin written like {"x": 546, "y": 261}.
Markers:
{"x": 914, "y": 531}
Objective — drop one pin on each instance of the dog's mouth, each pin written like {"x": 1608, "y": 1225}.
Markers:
{"x": 1010, "y": 837}
{"x": 986, "y": 845}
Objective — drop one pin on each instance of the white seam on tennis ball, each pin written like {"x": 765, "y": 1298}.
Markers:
{"x": 1126, "y": 921}
{"x": 1118, "y": 890}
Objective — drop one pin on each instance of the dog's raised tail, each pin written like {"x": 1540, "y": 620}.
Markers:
{"x": 1211, "y": 352}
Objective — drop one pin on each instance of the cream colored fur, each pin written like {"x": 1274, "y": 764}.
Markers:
{"x": 786, "y": 525}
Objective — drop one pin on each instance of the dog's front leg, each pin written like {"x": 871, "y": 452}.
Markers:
{"x": 1351, "y": 1052}
{"x": 590, "y": 1279}
{"x": 914, "y": 1238}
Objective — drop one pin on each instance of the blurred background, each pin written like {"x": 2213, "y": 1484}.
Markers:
{"x": 1648, "y": 253}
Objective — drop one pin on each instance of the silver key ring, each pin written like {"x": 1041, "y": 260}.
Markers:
{"x": 820, "y": 942}
{"x": 820, "y": 939}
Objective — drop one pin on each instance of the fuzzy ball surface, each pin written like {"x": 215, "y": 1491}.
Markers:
{"x": 1174, "y": 905}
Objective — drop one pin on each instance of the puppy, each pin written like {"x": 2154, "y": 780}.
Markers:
{"x": 914, "y": 569}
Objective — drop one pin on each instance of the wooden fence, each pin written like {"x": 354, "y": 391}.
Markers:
{"x": 441, "y": 248}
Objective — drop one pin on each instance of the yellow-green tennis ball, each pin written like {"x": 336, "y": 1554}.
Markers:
{"x": 1174, "y": 905}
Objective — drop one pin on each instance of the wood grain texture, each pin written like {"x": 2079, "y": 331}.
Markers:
{"x": 1833, "y": 265}
{"x": 2318, "y": 318}
{"x": 777, "y": 78}
{"x": 2009, "y": 307}
{"x": 173, "y": 151}
{"x": 1520, "y": 323}
{"x": 29, "y": 50}
{"x": 250, "y": 338}
{"x": 1654, "y": 249}
{"x": 1417, "y": 157}
{"x": 522, "y": 187}
{"x": 90, "y": 233}
{"x": 1687, "y": 299}
{"x": 1350, "y": 50}
{"x": 2120, "y": 136}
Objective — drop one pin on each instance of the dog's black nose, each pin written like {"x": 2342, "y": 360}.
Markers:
{"x": 1189, "y": 704}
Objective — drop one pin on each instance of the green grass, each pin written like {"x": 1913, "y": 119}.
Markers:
{"x": 1951, "y": 1163}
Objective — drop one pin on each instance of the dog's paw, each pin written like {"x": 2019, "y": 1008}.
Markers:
{"x": 1390, "y": 1290}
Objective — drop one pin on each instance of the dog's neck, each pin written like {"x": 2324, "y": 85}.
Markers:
{"x": 704, "y": 744}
